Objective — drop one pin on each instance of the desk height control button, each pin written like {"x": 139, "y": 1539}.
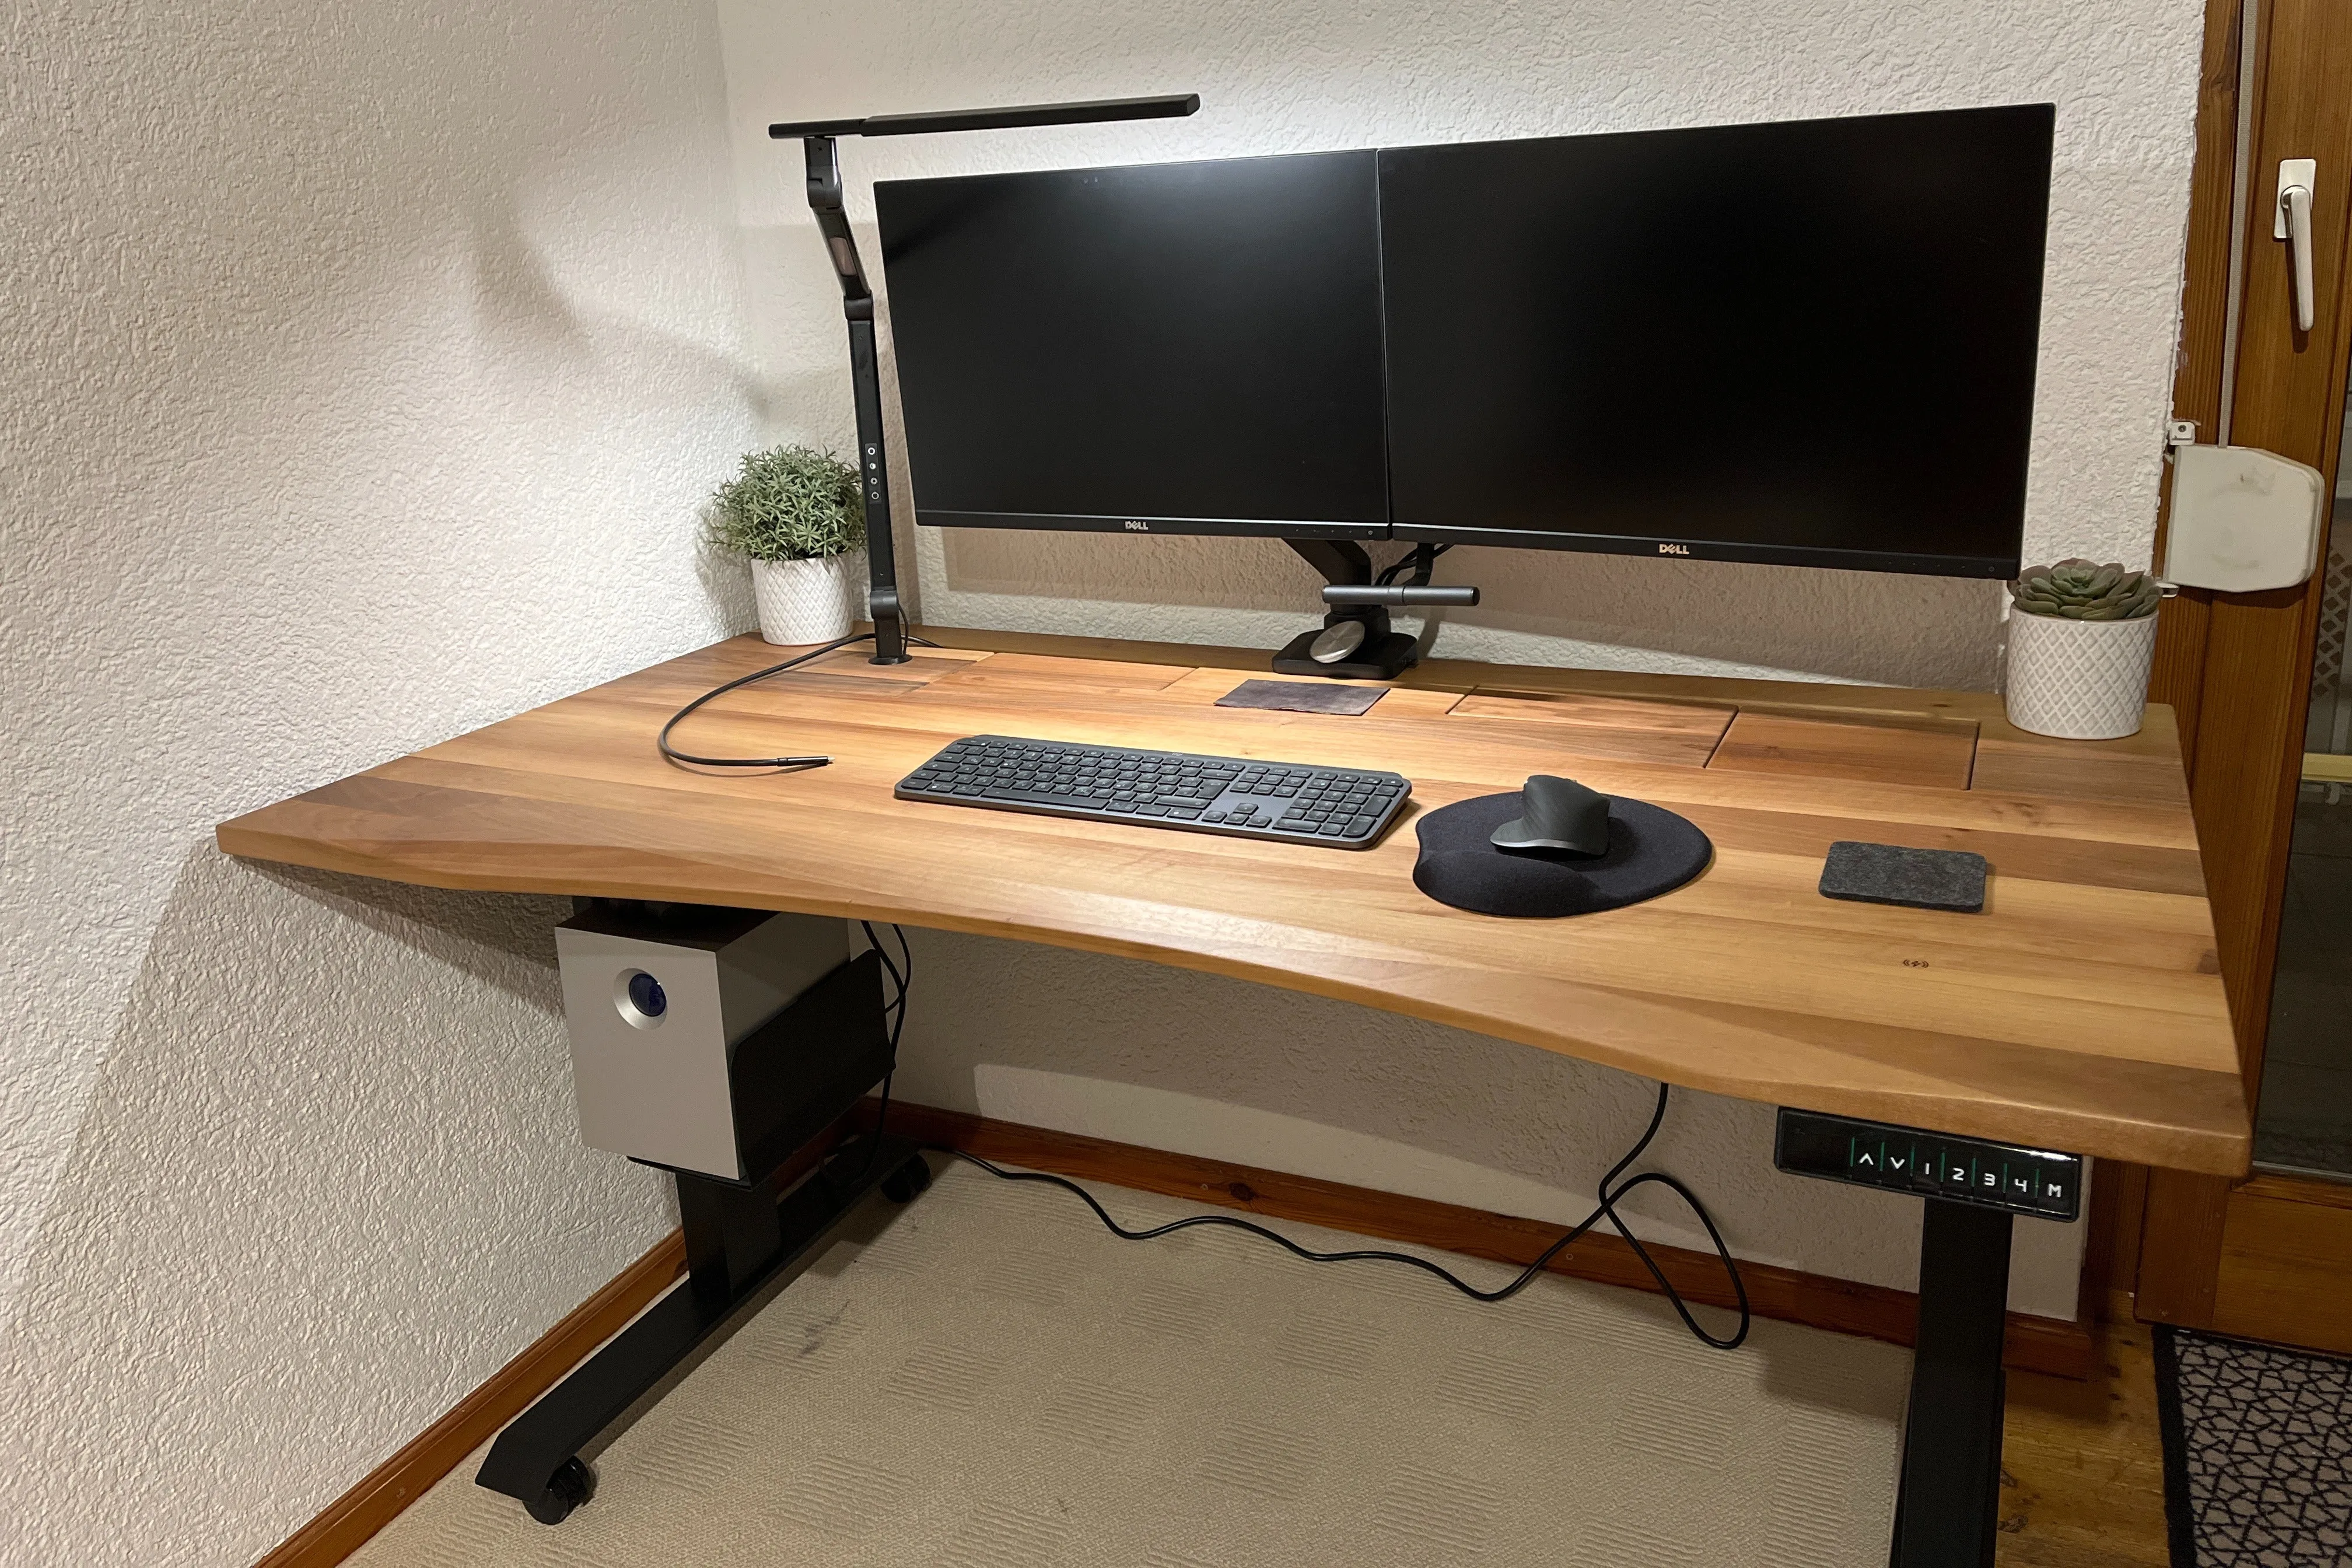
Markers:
{"x": 2035, "y": 1181}
{"x": 1948, "y": 1169}
{"x": 2056, "y": 1192}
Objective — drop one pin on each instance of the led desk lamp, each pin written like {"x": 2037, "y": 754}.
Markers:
{"x": 817, "y": 137}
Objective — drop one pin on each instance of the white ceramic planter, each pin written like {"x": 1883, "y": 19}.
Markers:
{"x": 2078, "y": 680}
{"x": 803, "y": 602}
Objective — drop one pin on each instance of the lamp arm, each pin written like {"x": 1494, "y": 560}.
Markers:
{"x": 823, "y": 162}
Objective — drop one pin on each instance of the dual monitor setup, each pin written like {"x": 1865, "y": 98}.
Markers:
{"x": 1809, "y": 344}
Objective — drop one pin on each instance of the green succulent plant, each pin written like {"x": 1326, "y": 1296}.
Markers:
{"x": 2078, "y": 590}
{"x": 790, "y": 503}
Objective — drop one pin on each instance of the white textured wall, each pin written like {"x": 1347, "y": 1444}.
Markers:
{"x": 1187, "y": 1061}
{"x": 363, "y": 368}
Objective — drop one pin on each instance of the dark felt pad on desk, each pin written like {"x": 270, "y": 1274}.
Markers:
{"x": 1304, "y": 697}
{"x": 1950, "y": 879}
{"x": 1651, "y": 851}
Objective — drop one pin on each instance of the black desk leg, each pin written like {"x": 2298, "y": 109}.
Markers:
{"x": 737, "y": 1240}
{"x": 1947, "y": 1511}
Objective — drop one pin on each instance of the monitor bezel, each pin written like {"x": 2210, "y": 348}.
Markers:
{"x": 1668, "y": 547}
{"x": 1665, "y": 547}
{"x": 1059, "y": 522}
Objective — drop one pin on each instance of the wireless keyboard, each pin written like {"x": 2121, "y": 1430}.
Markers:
{"x": 1346, "y": 808}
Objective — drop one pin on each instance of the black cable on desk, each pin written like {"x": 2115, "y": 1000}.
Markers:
{"x": 1612, "y": 1192}
{"x": 685, "y": 759}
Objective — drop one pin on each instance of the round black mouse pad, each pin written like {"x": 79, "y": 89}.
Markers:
{"x": 1651, "y": 851}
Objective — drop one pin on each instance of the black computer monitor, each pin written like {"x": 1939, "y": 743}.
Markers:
{"x": 1176, "y": 348}
{"x": 1811, "y": 343}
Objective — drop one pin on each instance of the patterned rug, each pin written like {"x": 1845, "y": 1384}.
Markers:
{"x": 2257, "y": 1453}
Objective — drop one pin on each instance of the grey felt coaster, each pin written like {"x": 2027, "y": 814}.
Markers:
{"x": 1303, "y": 696}
{"x": 1916, "y": 878}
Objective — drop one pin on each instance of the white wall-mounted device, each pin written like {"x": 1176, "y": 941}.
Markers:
{"x": 2242, "y": 520}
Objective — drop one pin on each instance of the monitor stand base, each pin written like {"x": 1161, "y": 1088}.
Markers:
{"x": 1380, "y": 659}
{"x": 1383, "y": 655}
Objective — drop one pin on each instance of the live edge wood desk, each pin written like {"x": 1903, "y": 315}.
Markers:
{"x": 2082, "y": 1011}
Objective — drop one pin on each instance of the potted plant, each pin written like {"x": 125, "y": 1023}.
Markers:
{"x": 2080, "y": 639}
{"x": 795, "y": 513}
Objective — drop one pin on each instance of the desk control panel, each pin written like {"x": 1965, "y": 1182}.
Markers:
{"x": 2035, "y": 1181}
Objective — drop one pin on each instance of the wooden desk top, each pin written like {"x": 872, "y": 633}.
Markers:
{"x": 2082, "y": 1011}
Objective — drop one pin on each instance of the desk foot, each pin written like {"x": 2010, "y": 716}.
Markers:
{"x": 738, "y": 1240}
{"x": 1948, "y": 1507}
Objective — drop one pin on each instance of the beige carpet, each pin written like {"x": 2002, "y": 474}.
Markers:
{"x": 988, "y": 1378}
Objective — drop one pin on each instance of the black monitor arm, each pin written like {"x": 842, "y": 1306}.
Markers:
{"x": 816, "y": 139}
{"x": 1378, "y": 652}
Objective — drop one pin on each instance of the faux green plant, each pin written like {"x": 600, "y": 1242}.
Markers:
{"x": 2077, "y": 590}
{"x": 790, "y": 503}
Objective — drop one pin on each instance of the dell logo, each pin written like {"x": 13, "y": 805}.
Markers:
{"x": 1134, "y": 525}
{"x": 1673, "y": 550}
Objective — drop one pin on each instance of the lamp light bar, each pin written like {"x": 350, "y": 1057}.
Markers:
{"x": 1165, "y": 106}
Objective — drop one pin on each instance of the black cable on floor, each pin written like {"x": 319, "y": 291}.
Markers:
{"x": 1611, "y": 1193}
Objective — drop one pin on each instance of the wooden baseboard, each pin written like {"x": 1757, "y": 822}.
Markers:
{"x": 1874, "y": 1311}
{"x": 2035, "y": 1344}
{"x": 344, "y": 1525}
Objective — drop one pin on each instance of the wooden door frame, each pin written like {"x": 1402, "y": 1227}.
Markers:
{"x": 2237, "y": 666}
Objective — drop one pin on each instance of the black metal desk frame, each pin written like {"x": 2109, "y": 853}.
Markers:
{"x": 741, "y": 1238}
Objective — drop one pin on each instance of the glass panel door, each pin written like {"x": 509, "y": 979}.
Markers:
{"x": 2303, "y": 1120}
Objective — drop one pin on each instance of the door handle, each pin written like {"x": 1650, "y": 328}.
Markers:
{"x": 2290, "y": 221}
